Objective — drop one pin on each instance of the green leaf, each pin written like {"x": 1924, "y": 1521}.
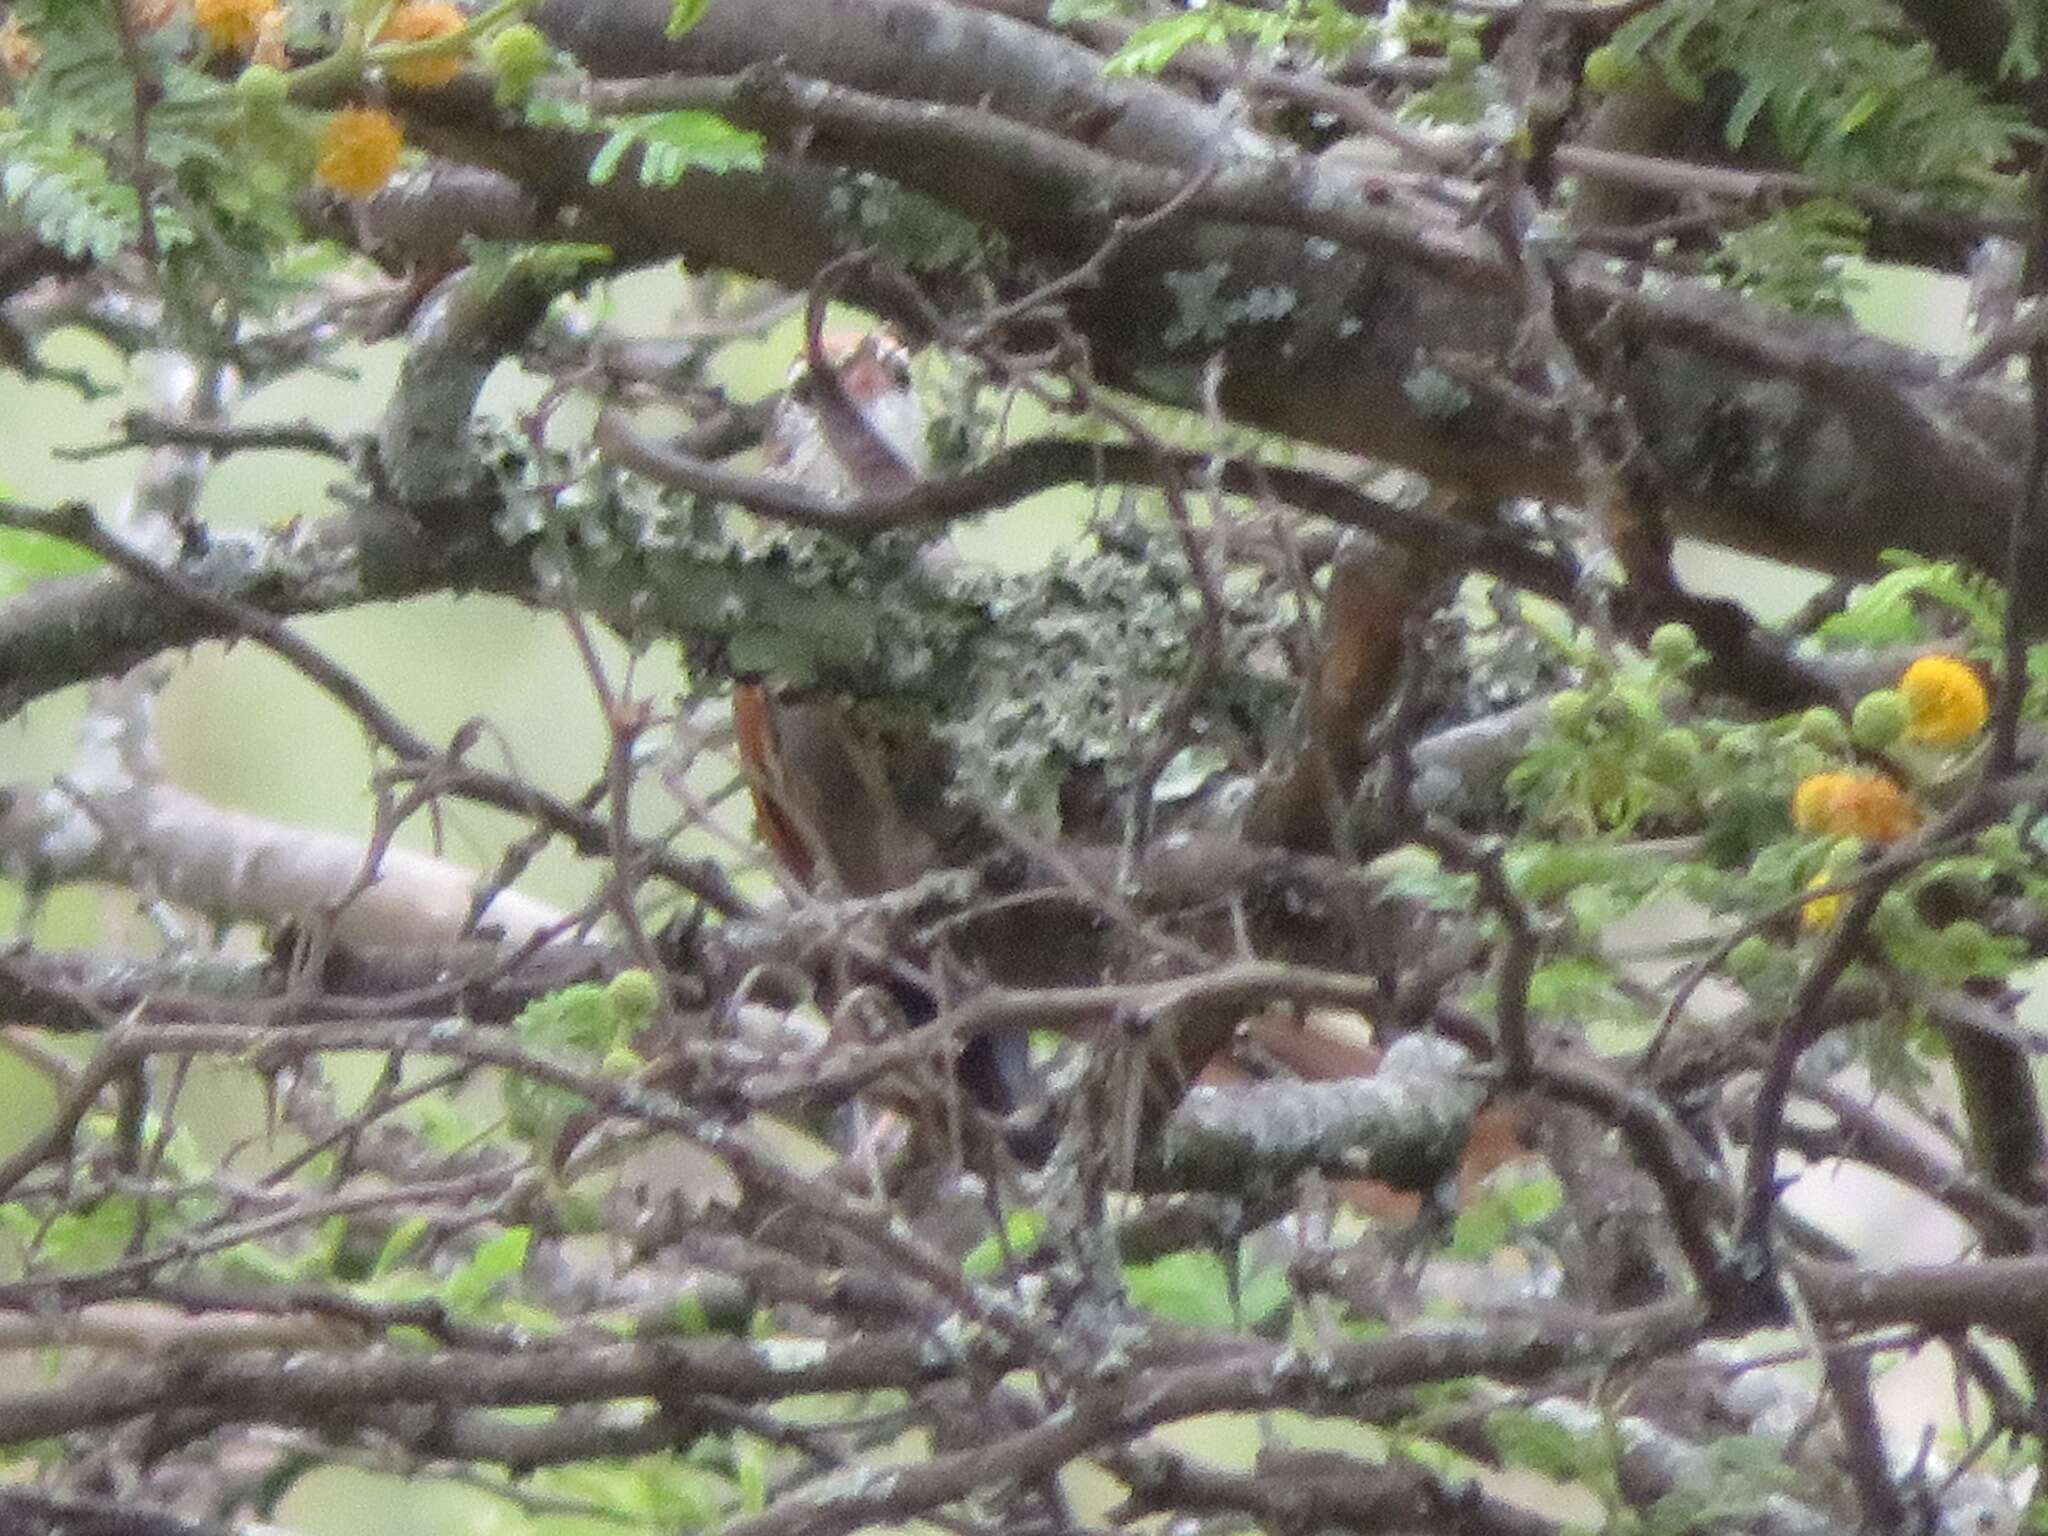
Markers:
{"x": 605, "y": 163}
{"x": 1744, "y": 112}
{"x": 1861, "y": 111}
{"x": 1262, "y": 1293}
{"x": 696, "y": 141}
{"x": 495, "y": 1260}
{"x": 683, "y": 15}
{"x": 687, "y": 1316}
{"x": 1022, "y": 1232}
{"x": 1490, "y": 1218}
{"x": 1573, "y": 984}
{"x": 1890, "y": 610}
{"x": 83, "y": 1239}
{"x": 255, "y": 1263}
{"x": 1532, "y": 1199}
{"x": 580, "y": 1016}
{"x": 1794, "y": 258}
{"x": 1190, "y": 1287}
{"x": 1482, "y": 1227}
{"x": 403, "y": 1239}
{"x": 751, "y": 1467}
{"x": 672, "y": 143}
{"x": 1883, "y": 109}
{"x": 26, "y": 558}
{"x": 560, "y": 112}
{"x": 1194, "y": 1287}
{"x": 1539, "y": 1444}
{"x": 1153, "y": 46}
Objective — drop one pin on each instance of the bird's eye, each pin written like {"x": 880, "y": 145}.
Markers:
{"x": 892, "y": 356}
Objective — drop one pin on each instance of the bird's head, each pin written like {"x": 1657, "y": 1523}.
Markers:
{"x": 873, "y": 370}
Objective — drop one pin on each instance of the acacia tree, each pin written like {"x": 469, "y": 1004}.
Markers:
{"x": 1146, "y": 923}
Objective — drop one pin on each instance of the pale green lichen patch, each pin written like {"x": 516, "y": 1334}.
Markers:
{"x": 791, "y": 1354}
{"x": 1203, "y": 313}
{"x": 924, "y": 235}
{"x": 1439, "y": 397}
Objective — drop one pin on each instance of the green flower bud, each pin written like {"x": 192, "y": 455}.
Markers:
{"x": 633, "y": 996}
{"x": 1743, "y": 741}
{"x": 1970, "y": 947}
{"x": 262, "y": 87}
{"x": 1627, "y": 712}
{"x": 1674, "y": 647}
{"x": 1570, "y": 710}
{"x": 1674, "y": 756}
{"x": 1751, "y": 959}
{"x": 1880, "y": 719}
{"x": 517, "y": 55}
{"x": 620, "y": 1062}
{"x": 2000, "y": 841}
{"x": 1823, "y": 728}
{"x": 1607, "y": 68}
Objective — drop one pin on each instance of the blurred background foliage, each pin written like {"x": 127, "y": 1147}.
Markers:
{"x": 240, "y": 728}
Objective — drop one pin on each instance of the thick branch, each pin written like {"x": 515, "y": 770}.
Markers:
{"x": 1791, "y": 436}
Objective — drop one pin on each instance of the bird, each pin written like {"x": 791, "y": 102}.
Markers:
{"x": 824, "y": 801}
{"x": 823, "y": 804}
{"x": 806, "y": 446}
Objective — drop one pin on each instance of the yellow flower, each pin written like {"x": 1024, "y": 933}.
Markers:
{"x": 1948, "y": 701}
{"x": 1866, "y": 805}
{"x": 420, "y": 21}
{"x": 359, "y": 150}
{"x": 1813, "y": 801}
{"x": 1823, "y": 912}
{"x": 232, "y": 26}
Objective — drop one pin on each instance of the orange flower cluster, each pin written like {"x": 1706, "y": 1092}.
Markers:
{"x": 1866, "y": 805}
{"x": 421, "y": 21}
{"x": 359, "y": 150}
{"x": 1948, "y": 701}
{"x": 233, "y": 26}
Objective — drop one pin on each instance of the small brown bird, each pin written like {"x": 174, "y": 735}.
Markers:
{"x": 823, "y": 799}
{"x": 811, "y": 444}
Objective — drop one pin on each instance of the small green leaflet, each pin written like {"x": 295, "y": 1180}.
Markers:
{"x": 1540, "y": 1444}
{"x": 560, "y": 112}
{"x": 1193, "y": 1287}
{"x": 674, "y": 142}
{"x": 495, "y": 1260}
{"x": 685, "y": 14}
{"x": 1861, "y": 111}
{"x": 1022, "y": 1231}
{"x": 403, "y": 1239}
{"x": 1153, "y": 46}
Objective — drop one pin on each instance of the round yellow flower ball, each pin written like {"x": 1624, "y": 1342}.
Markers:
{"x": 1866, "y": 805}
{"x": 232, "y": 26}
{"x": 421, "y": 21}
{"x": 1948, "y": 701}
{"x": 359, "y": 150}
